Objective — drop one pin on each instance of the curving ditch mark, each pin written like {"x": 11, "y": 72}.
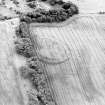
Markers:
{"x": 52, "y": 51}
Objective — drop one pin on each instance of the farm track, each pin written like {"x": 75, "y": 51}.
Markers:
{"x": 78, "y": 80}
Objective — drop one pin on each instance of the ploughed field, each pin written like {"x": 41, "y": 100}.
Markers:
{"x": 73, "y": 57}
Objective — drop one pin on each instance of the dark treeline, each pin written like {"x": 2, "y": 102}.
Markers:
{"x": 33, "y": 71}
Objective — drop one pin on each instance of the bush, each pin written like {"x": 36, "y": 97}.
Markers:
{"x": 60, "y": 2}
{"x": 23, "y": 30}
{"x": 69, "y": 12}
{"x": 53, "y": 12}
{"x": 32, "y": 5}
{"x": 41, "y": 19}
{"x": 38, "y": 80}
{"x": 49, "y": 19}
{"x": 43, "y": 12}
{"x": 32, "y": 97}
{"x": 38, "y": 16}
{"x": 62, "y": 15}
{"x": 25, "y": 18}
{"x": 26, "y": 72}
{"x": 46, "y": 99}
{"x": 74, "y": 9}
{"x": 66, "y": 5}
{"x": 18, "y": 32}
{"x": 34, "y": 63}
{"x": 38, "y": 75}
{"x": 70, "y": 8}
{"x": 24, "y": 47}
{"x": 34, "y": 14}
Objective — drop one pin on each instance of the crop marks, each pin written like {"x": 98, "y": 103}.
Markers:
{"x": 75, "y": 79}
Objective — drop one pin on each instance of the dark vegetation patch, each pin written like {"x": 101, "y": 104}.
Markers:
{"x": 32, "y": 5}
{"x": 66, "y": 10}
{"x": 101, "y": 12}
{"x": 30, "y": 0}
{"x": 53, "y": 2}
{"x": 24, "y": 47}
{"x": 33, "y": 70}
{"x": 51, "y": 16}
{"x": 22, "y": 31}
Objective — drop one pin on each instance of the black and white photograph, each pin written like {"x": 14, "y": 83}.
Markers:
{"x": 52, "y": 52}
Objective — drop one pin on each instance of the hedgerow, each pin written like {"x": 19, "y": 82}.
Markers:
{"x": 33, "y": 70}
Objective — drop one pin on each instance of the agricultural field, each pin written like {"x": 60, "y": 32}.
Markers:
{"x": 74, "y": 56}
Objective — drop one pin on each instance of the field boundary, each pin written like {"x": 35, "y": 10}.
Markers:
{"x": 62, "y": 24}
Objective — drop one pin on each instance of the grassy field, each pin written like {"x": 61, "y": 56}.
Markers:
{"x": 10, "y": 93}
{"x": 74, "y": 56}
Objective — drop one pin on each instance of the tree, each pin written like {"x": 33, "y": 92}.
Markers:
{"x": 53, "y": 12}
{"x": 60, "y": 2}
{"x": 52, "y": 2}
{"x": 66, "y": 6}
{"x": 34, "y": 63}
{"x": 25, "y": 18}
{"x": 23, "y": 30}
{"x": 32, "y": 5}
{"x": 74, "y": 9}
{"x": 62, "y": 15}
{"x": 24, "y": 47}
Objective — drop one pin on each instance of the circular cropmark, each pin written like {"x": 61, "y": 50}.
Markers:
{"x": 53, "y": 51}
